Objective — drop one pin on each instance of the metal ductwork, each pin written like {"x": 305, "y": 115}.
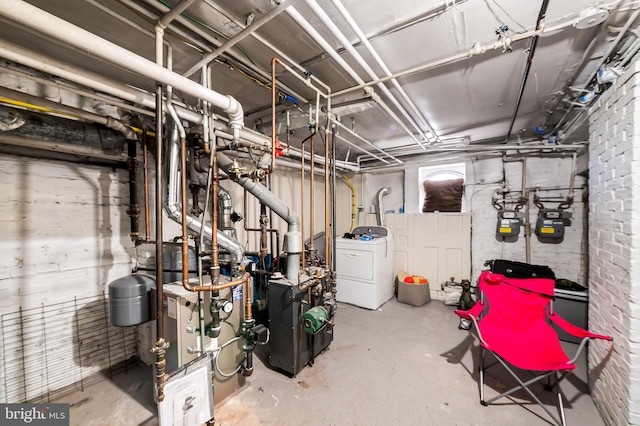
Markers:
{"x": 30, "y": 125}
{"x": 175, "y": 211}
{"x": 293, "y": 237}
{"x": 381, "y": 193}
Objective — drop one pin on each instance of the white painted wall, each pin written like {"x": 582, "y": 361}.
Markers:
{"x": 550, "y": 175}
{"x": 63, "y": 237}
{"x": 614, "y": 239}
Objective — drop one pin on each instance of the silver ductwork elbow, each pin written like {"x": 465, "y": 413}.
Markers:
{"x": 174, "y": 210}
{"x": 293, "y": 238}
{"x": 381, "y": 193}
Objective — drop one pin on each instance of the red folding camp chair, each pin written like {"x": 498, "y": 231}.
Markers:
{"x": 512, "y": 323}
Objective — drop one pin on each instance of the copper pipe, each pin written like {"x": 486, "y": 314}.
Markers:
{"x": 145, "y": 160}
{"x": 302, "y": 206}
{"x": 159, "y": 217}
{"x": 326, "y": 200}
{"x": 312, "y": 197}
{"x": 274, "y": 61}
{"x": 248, "y": 307}
{"x": 183, "y": 199}
{"x": 215, "y": 263}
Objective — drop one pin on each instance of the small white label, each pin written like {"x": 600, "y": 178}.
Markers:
{"x": 172, "y": 308}
{"x": 237, "y": 293}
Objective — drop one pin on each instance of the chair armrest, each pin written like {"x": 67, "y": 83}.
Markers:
{"x": 474, "y": 312}
{"x": 574, "y": 330}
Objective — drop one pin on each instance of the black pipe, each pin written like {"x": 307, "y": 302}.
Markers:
{"x": 525, "y": 77}
{"x": 134, "y": 209}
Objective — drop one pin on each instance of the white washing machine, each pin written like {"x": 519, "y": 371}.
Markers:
{"x": 364, "y": 267}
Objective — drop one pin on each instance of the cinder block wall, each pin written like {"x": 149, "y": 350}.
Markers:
{"x": 614, "y": 238}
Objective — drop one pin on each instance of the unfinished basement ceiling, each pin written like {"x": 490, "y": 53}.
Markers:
{"x": 469, "y": 101}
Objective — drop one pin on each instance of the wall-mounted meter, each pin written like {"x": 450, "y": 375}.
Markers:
{"x": 508, "y": 227}
{"x": 550, "y": 225}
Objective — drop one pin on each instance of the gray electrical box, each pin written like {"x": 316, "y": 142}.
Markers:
{"x": 290, "y": 347}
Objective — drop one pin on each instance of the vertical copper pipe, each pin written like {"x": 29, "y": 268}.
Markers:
{"x": 273, "y": 114}
{"x": 312, "y": 196}
{"x": 248, "y": 307}
{"x": 159, "y": 204}
{"x": 183, "y": 200}
{"x": 302, "y": 205}
{"x": 215, "y": 265}
{"x": 326, "y": 199}
{"x": 145, "y": 161}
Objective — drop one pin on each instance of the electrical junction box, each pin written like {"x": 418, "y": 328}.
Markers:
{"x": 508, "y": 226}
{"x": 550, "y": 225}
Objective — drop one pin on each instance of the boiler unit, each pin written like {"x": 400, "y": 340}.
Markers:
{"x": 181, "y": 327}
{"x": 299, "y": 330}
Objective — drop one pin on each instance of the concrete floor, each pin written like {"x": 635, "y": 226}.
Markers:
{"x": 398, "y": 365}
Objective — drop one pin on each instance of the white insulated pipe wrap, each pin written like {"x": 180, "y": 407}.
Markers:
{"x": 31, "y": 17}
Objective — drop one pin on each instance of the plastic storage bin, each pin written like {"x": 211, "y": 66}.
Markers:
{"x": 571, "y": 305}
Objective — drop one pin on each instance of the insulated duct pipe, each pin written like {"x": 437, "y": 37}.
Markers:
{"x": 293, "y": 237}
{"x": 175, "y": 211}
{"x": 381, "y": 193}
{"x": 34, "y": 101}
{"x": 45, "y": 127}
{"x": 31, "y": 17}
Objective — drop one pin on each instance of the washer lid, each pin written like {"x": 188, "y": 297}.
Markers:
{"x": 374, "y": 231}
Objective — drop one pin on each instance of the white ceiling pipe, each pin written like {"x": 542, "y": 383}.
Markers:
{"x": 200, "y": 32}
{"x": 173, "y": 13}
{"x": 342, "y": 126}
{"x": 49, "y": 65}
{"x": 65, "y": 87}
{"x": 475, "y": 50}
{"x": 241, "y": 35}
{"x": 31, "y": 17}
{"x": 492, "y": 148}
{"x": 100, "y": 83}
{"x": 336, "y": 57}
{"x": 365, "y": 42}
{"x": 326, "y": 20}
{"x": 266, "y": 43}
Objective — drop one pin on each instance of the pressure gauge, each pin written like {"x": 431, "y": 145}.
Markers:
{"x": 225, "y": 306}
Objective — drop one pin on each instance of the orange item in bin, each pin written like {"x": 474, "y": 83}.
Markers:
{"x": 411, "y": 279}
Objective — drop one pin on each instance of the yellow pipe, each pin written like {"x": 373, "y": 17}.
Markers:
{"x": 29, "y": 106}
{"x": 53, "y": 111}
{"x": 353, "y": 201}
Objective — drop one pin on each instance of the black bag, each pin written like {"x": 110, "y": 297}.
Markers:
{"x": 512, "y": 269}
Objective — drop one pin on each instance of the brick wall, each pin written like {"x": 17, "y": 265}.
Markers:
{"x": 551, "y": 176}
{"x": 614, "y": 237}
